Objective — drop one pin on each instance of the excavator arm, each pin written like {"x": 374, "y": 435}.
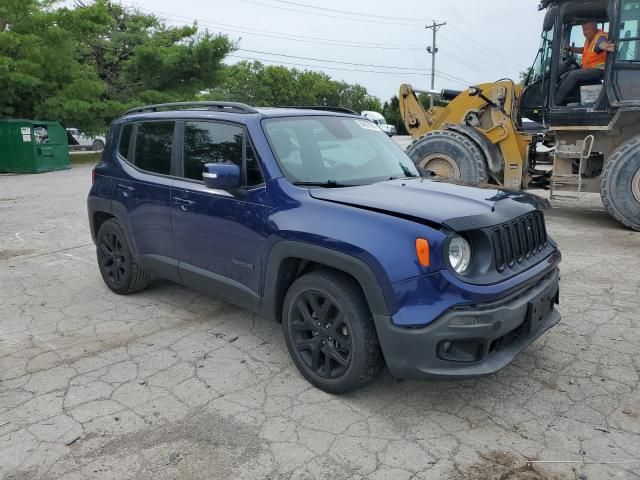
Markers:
{"x": 487, "y": 114}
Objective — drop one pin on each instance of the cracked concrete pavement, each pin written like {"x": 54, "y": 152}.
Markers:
{"x": 169, "y": 383}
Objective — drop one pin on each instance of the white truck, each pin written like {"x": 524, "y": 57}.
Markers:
{"x": 82, "y": 141}
{"x": 379, "y": 120}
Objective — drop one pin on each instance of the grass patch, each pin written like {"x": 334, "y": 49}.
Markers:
{"x": 82, "y": 158}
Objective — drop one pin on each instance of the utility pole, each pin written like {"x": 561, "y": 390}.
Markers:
{"x": 433, "y": 49}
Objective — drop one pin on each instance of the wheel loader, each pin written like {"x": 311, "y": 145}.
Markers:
{"x": 595, "y": 129}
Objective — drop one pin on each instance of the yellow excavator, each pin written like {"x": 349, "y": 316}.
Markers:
{"x": 478, "y": 134}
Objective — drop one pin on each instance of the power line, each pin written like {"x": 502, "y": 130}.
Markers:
{"x": 404, "y": 70}
{"x": 466, "y": 85}
{"x": 441, "y": 75}
{"x": 453, "y": 77}
{"x": 284, "y": 36}
{"x": 488, "y": 50}
{"x": 323, "y": 67}
{"x": 465, "y": 63}
{"x": 359, "y": 14}
{"x": 324, "y": 41}
{"x": 366, "y": 20}
{"x": 496, "y": 63}
{"x": 391, "y": 67}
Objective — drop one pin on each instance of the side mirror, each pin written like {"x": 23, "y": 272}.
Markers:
{"x": 222, "y": 176}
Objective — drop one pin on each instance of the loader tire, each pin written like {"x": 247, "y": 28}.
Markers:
{"x": 450, "y": 154}
{"x": 620, "y": 187}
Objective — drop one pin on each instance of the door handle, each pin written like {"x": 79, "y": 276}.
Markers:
{"x": 183, "y": 203}
{"x": 125, "y": 189}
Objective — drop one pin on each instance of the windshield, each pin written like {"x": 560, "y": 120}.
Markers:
{"x": 336, "y": 150}
{"x": 542, "y": 64}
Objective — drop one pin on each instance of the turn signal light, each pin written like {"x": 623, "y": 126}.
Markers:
{"x": 422, "y": 250}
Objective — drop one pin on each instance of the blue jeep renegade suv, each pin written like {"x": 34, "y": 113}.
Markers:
{"x": 315, "y": 218}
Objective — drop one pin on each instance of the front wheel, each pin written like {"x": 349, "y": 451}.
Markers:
{"x": 329, "y": 332}
{"x": 97, "y": 145}
{"x": 620, "y": 188}
{"x": 449, "y": 154}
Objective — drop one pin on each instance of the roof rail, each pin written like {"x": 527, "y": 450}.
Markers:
{"x": 324, "y": 108}
{"x": 231, "y": 107}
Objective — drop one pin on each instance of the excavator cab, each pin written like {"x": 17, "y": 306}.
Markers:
{"x": 593, "y": 100}
{"x": 592, "y": 116}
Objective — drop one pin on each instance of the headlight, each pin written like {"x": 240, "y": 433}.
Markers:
{"x": 459, "y": 254}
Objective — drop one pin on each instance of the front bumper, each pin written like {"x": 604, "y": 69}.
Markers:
{"x": 482, "y": 339}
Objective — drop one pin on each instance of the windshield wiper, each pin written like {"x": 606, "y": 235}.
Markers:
{"x": 327, "y": 184}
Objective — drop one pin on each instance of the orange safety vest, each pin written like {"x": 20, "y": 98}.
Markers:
{"x": 591, "y": 59}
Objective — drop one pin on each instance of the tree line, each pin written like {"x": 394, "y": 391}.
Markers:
{"x": 85, "y": 66}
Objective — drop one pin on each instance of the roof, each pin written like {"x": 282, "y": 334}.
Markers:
{"x": 547, "y": 3}
{"x": 201, "y": 113}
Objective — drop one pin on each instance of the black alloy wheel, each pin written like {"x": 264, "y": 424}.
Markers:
{"x": 112, "y": 258}
{"x": 117, "y": 264}
{"x": 320, "y": 334}
{"x": 329, "y": 332}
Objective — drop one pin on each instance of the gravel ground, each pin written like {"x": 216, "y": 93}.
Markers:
{"x": 170, "y": 383}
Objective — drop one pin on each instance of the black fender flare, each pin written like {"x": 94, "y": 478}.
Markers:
{"x": 495, "y": 160}
{"x": 118, "y": 211}
{"x": 325, "y": 256}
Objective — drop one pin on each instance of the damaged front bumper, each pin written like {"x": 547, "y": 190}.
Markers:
{"x": 471, "y": 341}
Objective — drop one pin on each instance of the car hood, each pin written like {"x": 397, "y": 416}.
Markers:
{"x": 451, "y": 203}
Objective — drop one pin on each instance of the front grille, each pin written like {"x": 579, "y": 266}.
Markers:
{"x": 516, "y": 241}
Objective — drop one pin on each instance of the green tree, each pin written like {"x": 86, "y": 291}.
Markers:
{"x": 524, "y": 76}
{"x": 86, "y": 65}
{"x": 36, "y": 56}
{"x": 260, "y": 85}
{"x": 391, "y": 112}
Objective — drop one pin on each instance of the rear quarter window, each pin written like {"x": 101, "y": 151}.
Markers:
{"x": 125, "y": 140}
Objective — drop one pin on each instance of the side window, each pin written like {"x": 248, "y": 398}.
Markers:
{"x": 154, "y": 141}
{"x": 125, "y": 140}
{"x": 210, "y": 142}
{"x": 629, "y": 38}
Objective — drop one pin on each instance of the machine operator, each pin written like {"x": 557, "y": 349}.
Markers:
{"x": 594, "y": 56}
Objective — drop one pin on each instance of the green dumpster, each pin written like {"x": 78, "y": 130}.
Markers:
{"x": 30, "y": 146}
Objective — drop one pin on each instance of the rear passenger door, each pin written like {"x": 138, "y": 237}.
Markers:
{"x": 143, "y": 193}
{"x": 219, "y": 234}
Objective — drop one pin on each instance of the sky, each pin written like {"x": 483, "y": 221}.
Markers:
{"x": 378, "y": 44}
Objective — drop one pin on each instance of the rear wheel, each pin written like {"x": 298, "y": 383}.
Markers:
{"x": 620, "y": 189}
{"x": 97, "y": 145}
{"x": 117, "y": 266}
{"x": 449, "y": 154}
{"x": 329, "y": 332}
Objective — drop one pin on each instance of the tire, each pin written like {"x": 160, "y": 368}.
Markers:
{"x": 117, "y": 266}
{"x": 337, "y": 325}
{"x": 450, "y": 154}
{"x": 620, "y": 187}
{"x": 97, "y": 145}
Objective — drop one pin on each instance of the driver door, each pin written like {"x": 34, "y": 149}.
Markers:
{"x": 219, "y": 234}
{"x": 534, "y": 102}
{"x": 624, "y": 87}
